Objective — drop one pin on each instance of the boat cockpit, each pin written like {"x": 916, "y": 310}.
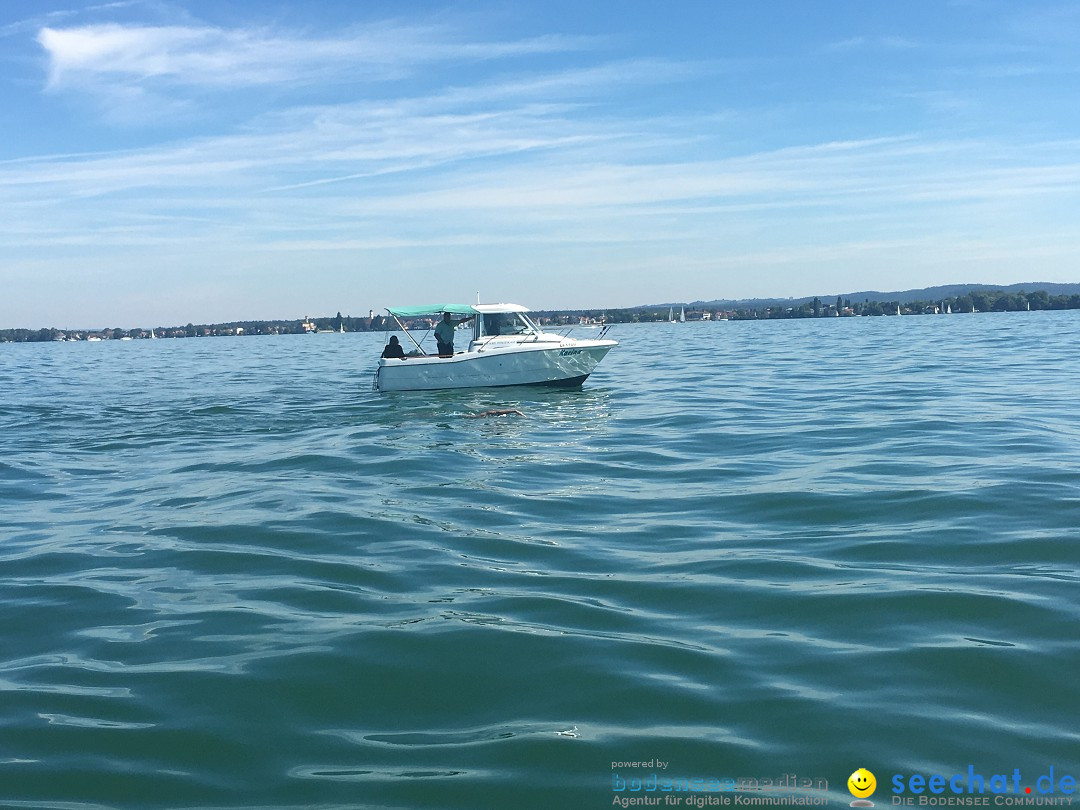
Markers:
{"x": 500, "y": 324}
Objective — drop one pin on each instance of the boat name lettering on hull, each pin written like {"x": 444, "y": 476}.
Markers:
{"x": 568, "y": 352}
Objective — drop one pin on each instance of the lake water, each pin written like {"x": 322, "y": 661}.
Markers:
{"x": 233, "y": 576}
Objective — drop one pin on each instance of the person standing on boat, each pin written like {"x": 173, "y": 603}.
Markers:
{"x": 444, "y": 333}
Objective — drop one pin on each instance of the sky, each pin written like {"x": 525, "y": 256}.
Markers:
{"x": 171, "y": 162}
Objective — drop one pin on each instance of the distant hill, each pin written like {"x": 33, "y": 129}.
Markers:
{"x": 902, "y": 297}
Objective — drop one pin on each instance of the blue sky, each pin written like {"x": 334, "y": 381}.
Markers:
{"x": 167, "y": 162}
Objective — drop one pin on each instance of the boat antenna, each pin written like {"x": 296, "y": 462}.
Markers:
{"x": 478, "y": 296}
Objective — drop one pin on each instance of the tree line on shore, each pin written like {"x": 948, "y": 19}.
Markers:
{"x": 299, "y": 326}
{"x": 975, "y": 301}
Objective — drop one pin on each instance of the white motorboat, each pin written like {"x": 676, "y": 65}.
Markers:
{"x": 506, "y": 348}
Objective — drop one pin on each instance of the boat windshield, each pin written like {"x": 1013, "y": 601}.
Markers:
{"x": 505, "y": 323}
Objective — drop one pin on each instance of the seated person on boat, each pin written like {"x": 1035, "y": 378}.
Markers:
{"x": 393, "y": 349}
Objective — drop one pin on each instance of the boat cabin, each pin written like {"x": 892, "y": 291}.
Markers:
{"x": 502, "y": 320}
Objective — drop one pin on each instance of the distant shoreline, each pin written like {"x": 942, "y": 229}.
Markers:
{"x": 976, "y": 300}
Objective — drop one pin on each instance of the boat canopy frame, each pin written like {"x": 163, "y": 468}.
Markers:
{"x": 455, "y": 309}
{"x": 468, "y": 310}
{"x": 397, "y": 313}
{"x": 433, "y": 309}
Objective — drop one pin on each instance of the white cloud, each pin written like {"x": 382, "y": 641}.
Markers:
{"x": 447, "y": 178}
{"x": 876, "y": 43}
{"x": 207, "y": 56}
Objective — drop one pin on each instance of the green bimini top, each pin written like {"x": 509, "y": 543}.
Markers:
{"x": 434, "y": 309}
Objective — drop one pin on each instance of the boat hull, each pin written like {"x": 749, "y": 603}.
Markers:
{"x": 566, "y": 364}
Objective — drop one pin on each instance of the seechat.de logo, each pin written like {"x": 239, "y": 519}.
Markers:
{"x": 862, "y": 785}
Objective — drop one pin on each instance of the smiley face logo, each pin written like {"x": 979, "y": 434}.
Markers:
{"x": 862, "y": 783}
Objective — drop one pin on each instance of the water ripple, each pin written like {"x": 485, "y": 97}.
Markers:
{"x": 787, "y": 547}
